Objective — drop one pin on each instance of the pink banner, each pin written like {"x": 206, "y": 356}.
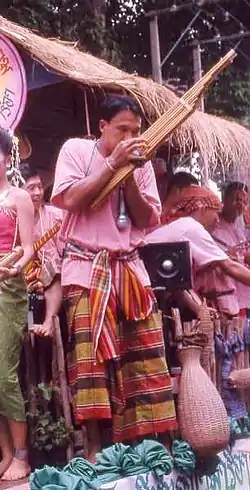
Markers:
{"x": 13, "y": 86}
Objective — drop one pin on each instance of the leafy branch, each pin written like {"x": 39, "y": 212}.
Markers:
{"x": 46, "y": 433}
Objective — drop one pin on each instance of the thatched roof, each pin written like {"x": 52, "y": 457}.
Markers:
{"x": 218, "y": 140}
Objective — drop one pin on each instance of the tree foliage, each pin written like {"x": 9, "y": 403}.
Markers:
{"x": 71, "y": 20}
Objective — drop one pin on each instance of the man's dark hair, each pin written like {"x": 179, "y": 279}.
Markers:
{"x": 232, "y": 187}
{"x": 47, "y": 193}
{"x": 182, "y": 180}
{"x": 27, "y": 171}
{"x": 5, "y": 142}
{"x": 113, "y": 104}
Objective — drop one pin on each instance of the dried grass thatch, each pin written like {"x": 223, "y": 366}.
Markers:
{"x": 219, "y": 141}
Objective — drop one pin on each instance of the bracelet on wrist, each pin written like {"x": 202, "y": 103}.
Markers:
{"x": 109, "y": 162}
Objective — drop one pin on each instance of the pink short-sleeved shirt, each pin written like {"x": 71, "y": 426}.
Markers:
{"x": 228, "y": 235}
{"x": 49, "y": 216}
{"x": 204, "y": 251}
{"x": 96, "y": 229}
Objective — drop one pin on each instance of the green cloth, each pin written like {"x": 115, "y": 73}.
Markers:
{"x": 113, "y": 463}
{"x": 240, "y": 428}
{"x": 118, "y": 461}
{"x": 155, "y": 457}
{"x": 13, "y": 318}
{"x": 50, "y": 478}
{"x": 183, "y": 457}
{"x": 85, "y": 470}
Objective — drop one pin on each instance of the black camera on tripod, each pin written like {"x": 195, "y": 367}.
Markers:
{"x": 168, "y": 265}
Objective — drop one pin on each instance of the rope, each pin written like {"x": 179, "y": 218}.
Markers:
{"x": 87, "y": 114}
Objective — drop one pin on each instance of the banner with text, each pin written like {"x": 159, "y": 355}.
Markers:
{"x": 13, "y": 86}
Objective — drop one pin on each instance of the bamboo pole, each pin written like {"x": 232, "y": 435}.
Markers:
{"x": 178, "y": 326}
{"x": 63, "y": 383}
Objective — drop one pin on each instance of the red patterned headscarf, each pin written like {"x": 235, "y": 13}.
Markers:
{"x": 192, "y": 198}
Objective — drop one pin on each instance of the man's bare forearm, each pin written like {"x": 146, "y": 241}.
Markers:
{"x": 139, "y": 209}
{"x": 28, "y": 254}
{"x": 236, "y": 270}
{"x": 80, "y": 194}
{"x": 53, "y": 296}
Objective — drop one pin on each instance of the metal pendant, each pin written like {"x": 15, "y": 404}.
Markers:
{"x": 122, "y": 221}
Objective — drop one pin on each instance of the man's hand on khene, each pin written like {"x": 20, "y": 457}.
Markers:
{"x": 131, "y": 150}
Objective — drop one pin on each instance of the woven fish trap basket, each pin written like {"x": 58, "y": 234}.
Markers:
{"x": 202, "y": 415}
{"x": 240, "y": 379}
{"x": 205, "y": 326}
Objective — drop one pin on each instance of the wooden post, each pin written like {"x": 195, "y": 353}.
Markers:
{"x": 63, "y": 383}
{"x": 155, "y": 49}
{"x": 197, "y": 68}
{"x": 197, "y": 74}
{"x": 178, "y": 326}
{"x": 30, "y": 374}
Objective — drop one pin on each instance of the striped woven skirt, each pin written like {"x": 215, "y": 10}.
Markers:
{"x": 133, "y": 391}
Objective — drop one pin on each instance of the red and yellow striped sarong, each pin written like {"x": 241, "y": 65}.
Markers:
{"x": 133, "y": 387}
{"x": 134, "y": 301}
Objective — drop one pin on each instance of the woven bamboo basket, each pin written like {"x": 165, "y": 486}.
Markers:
{"x": 202, "y": 415}
{"x": 240, "y": 379}
{"x": 206, "y": 327}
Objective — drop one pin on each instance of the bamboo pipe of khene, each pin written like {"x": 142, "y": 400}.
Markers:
{"x": 42, "y": 241}
{"x": 166, "y": 124}
{"x": 12, "y": 257}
